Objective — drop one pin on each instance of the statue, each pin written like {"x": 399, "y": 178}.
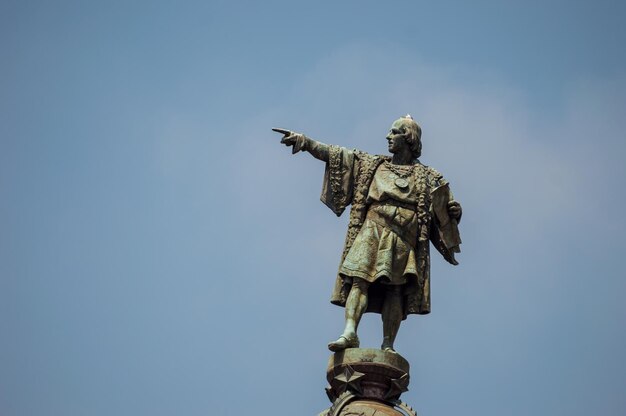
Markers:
{"x": 398, "y": 206}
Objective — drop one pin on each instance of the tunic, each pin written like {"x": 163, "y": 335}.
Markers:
{"x": 384, "y": 248}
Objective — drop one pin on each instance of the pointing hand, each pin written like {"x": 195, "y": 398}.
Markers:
{"x": 291, "y": 139}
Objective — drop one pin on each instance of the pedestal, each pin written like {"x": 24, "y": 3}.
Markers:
{"x": 367, "y": 382}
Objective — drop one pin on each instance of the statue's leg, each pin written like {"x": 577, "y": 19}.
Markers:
{"x": 356, "y": 304}
{"x": 391, "y": 315}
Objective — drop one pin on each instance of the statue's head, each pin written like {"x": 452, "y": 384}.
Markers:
{"x": 405, "y": 132}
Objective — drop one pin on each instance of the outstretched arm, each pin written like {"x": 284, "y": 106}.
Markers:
{"x": 300, "y": 142}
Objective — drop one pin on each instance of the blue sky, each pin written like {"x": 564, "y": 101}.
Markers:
{"x": 161, "y": 253}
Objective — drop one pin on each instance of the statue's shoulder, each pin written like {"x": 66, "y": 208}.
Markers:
{"x": 435, "y": 177}
{"x": 366, "y": 165}
{"x": 434, "y": 172}
{"x": 358, "y": 154}
{"x": 374, "y": 158}
{"x": 368, "y": 158}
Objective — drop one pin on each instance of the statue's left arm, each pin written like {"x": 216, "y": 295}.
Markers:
{"x": 446, "y": 214}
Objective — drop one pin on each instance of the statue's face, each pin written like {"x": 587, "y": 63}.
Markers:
{"x": 397, "y": 137}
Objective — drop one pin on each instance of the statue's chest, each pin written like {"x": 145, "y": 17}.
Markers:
{"x": 402, "y": 184}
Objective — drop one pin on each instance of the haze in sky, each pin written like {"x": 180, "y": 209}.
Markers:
{"x": 162, "y": 254}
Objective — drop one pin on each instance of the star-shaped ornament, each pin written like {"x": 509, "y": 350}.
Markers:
{"x": 398, "y": 386}
{"x": 349, "y": 379}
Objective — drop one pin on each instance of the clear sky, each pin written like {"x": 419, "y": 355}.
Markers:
{"x": 162, "y": 254}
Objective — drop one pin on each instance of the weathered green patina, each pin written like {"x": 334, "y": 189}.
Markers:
{"x": 399, "y": 207}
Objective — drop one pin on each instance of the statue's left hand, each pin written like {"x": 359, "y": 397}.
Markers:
{"x": 454, "y": 209}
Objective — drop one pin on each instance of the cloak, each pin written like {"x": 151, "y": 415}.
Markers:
{"x": 347, "y": 179}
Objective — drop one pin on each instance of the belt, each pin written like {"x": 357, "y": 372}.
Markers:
{"x": 407, "y": 234}
{"x": 395, "y": 203}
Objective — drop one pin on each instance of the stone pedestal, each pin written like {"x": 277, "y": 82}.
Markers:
{"x": 367, "y": 382}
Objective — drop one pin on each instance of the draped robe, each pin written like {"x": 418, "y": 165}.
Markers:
{"x": 347, "y": 180}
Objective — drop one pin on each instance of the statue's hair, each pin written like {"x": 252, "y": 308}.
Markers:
{"x": 415, "y": 135}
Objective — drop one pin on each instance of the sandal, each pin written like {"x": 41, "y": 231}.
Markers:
{"x": 343, "y": 343}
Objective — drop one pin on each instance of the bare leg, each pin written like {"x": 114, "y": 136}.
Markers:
{"x": 392, "y": 316}
{"x": 356, "y": 305}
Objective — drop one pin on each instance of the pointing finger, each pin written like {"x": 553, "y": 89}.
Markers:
{"x": 281, "y": 131}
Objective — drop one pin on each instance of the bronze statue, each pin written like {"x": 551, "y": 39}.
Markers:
{"x": 398, "y": 206}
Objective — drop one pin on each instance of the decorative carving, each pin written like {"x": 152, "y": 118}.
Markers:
{"x": 408, "y": 410}
{"x": 336, "y": 173}
{"x": 398, "y": 386}
{"x": 349, "y": 379}
{"x": 339, "y": 403}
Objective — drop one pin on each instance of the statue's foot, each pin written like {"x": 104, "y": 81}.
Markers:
{"x": 344, "y": 342}
{"x": 387, "y": 347}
